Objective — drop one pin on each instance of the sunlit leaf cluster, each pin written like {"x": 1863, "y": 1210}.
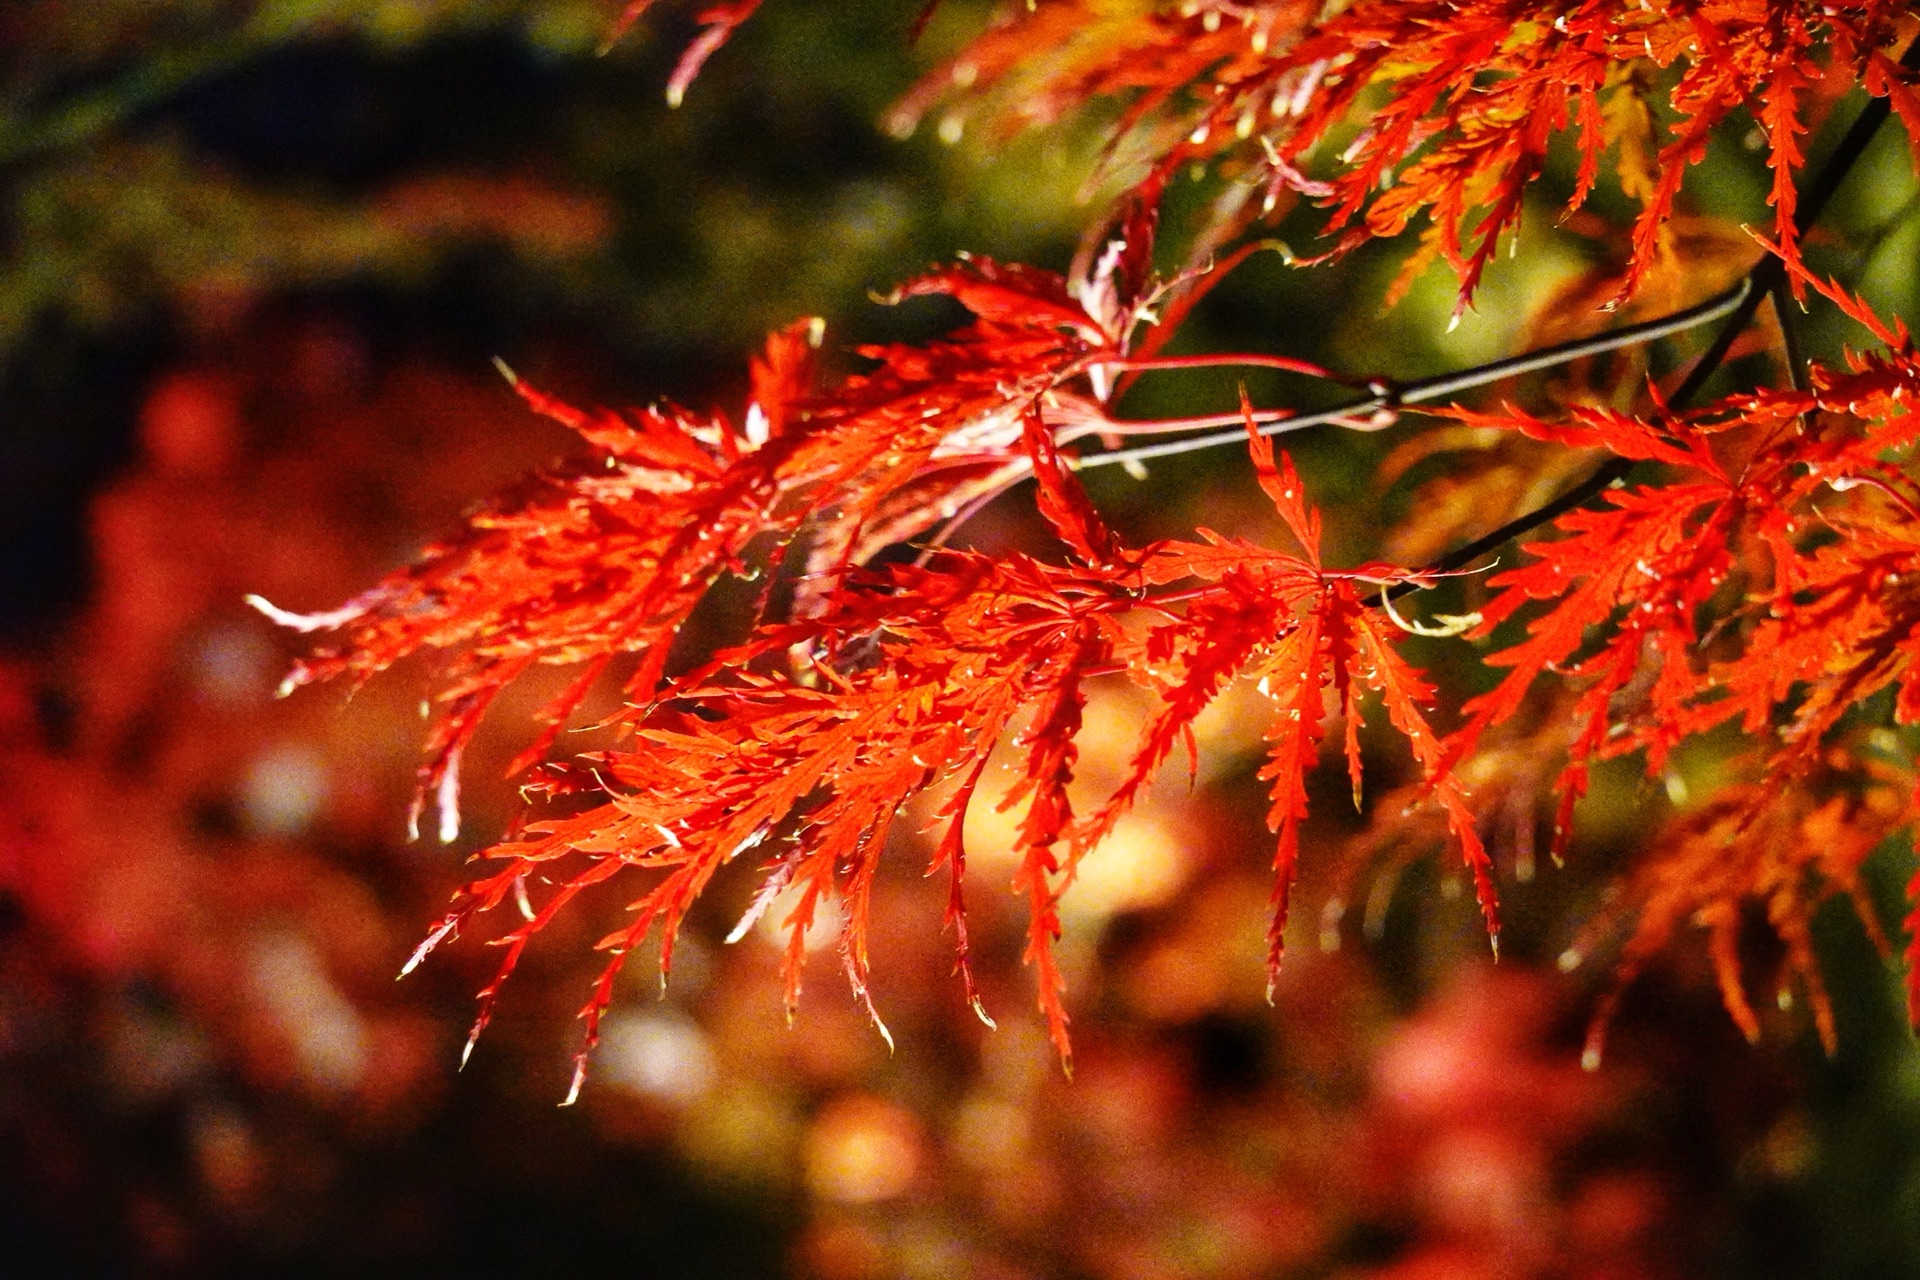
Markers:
{"x": 1745, "y": 561}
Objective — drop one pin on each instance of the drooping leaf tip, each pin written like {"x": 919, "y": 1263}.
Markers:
{"x": 326, "y": 620}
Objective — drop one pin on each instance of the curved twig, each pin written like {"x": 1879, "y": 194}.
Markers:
{"x": 1386, "y": 398}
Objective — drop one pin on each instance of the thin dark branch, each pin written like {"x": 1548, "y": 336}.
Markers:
{"x": 1386, "y": 397}
{"x": 1790, "y": 338}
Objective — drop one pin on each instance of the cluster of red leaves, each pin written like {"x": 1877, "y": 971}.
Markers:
{"x": 1444, "y": 109}
{"x": 1455, "y": 102}
{"x": 1771, "y": 531}
{"x": 810, "y": 737}
{"x": 611, "y": 555}
{"x": 1791, "y": 520}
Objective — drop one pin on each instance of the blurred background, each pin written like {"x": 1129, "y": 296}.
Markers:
{"x": 255, "y": 256}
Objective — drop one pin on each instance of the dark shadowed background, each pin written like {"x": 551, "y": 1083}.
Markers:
{"x": 255, "y": 257}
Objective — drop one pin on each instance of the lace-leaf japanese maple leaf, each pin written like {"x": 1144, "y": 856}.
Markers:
{"x": 808, "y": 738}
{"x": 1456, "y": 103}
{"x": 1305, "y": 636}
{"x": 1790, "y": 517}
{"x": 1755, "y": 565}
{"x": 1784, "y": 849}
{"x": 717, "y": 24}
{"x": 611, "y": 553}
{"x": 914, "y": 675}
